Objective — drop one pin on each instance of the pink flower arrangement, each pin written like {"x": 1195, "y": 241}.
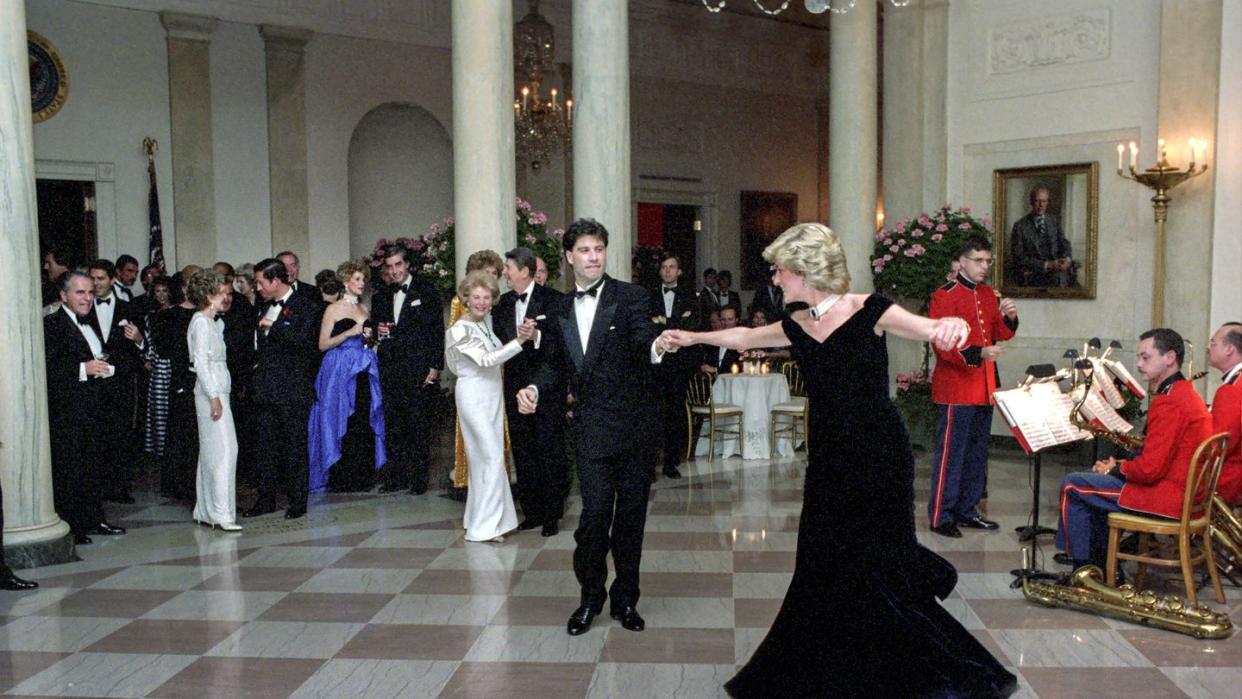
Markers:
{"x": 941, "y": 228}
{"x": 910, "y": 259}
{"x": 538, "y": 218}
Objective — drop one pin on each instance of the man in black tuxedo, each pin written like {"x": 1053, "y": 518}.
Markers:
{"x": 123, "y": 342}
{"x": 293, "y": 267}
{"x": 771, "y": 300}
{"x": 715, "y": 360}
{"x": 126, "y": 275}
{"x": 409, "y": 318}
{"x": 606, "y": 342}
{"x": 145, "y": 302}
{"x": 537, "y": 440}
{"x": 678, "y": 308}
{"x": 286, "y": 361}
{"x": 77, "y": 382}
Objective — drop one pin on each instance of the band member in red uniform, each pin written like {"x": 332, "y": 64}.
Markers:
{"x": 1154, "y": 482}
{"x": 1225, "y": 355}
{"x": 962, "y": 385}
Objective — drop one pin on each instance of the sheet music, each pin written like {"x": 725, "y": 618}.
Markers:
{"x": 1123, "y": 374}
{"x": 1101, "y": 413}
{"x": 1102, "y": 384}
{"x": 1040, "y": 413}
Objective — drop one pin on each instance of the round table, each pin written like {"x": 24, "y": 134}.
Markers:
{"x": 756, "y": 394}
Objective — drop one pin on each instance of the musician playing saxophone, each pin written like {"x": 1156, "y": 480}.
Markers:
{"x": 1225, "y": 355}
{"x": 1152, "y": 483}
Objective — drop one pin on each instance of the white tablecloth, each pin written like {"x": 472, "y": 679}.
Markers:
{"x": 756, "y": 395}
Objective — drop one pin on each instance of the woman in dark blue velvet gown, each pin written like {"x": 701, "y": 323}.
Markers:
{"x": 346, "y": 427}
{"x": 860, "y": 618}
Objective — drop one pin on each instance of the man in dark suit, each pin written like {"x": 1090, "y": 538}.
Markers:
{"x": 126, "y": 275}
{"x": 715, "y": 360}
{"x": 293, "y": 267}
{"x": 238, "y": 315}
{"x": 286, "y": 360}
{"x": 537, "y": 440}
{"x": 771, "y": 300}
{"x": 678, "y": 310}
{"x": 607, "y": 342}
{"x": 123, "y": 341}
{"x": 77, "y": 382}
{"x": 1041, "y": 253}
{"x": 145, "y": 302}
{"x": 409, "y": 317}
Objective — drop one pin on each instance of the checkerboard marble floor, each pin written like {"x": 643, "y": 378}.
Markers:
{"x": 379, "y": 596}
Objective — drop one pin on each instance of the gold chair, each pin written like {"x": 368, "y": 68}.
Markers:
{"x": 723, "y": 418}
{"x": 1195, "y": 521}
{"x": 794, "y": 411}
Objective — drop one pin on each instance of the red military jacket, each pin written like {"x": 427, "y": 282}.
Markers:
{"x": 1177, "y": 423}
{"x": 963, "y": 377}
{"x": 1227, "y": 417}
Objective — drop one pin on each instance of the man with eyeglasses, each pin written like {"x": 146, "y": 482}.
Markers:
{"x": 962, "y": 386}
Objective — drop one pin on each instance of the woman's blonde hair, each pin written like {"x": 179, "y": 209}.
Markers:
{"x": 485, "y": 259}
{"x": 348, "y": 268}
{"x": 813, "y": 251}
{"x": 478, "y": 278}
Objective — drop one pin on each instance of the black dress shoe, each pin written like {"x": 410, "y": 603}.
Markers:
{"x": 527, "y": 525}
{"x": 295, "y": 512}
{"x": 629, "y": 618}
{"x": 978, "y": 523}
{"x": 81, "y": 539}
{"x": 9, "y": 581}
{"x": 671, "y": 472}
{"x": 949, "y": 529}
{"x": 550, "y": 529}
{"x": 581, "y": 620}
{"x": 259, "y": 510}
{"x": 105, "y": 529}
{"x": 1063, "y": 559}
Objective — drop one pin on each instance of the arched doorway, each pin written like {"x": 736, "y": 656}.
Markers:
{"x": 400, "y": 175}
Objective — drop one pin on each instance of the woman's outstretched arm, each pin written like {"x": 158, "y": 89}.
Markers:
{"x": 734, "y": 338}
{"x": 946, "y": 333}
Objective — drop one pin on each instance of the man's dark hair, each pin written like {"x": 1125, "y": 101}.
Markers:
{"x": 524, "y": 258}
{"x": 582, "y": 227}
{"x": 1234, "y": 335}
{"x": 974, "y": 243}
{"x": 1166, "y": 341}
{"x": 394, "y": 249}
{"x": 731, "y": 309}
{"x": 229, "y": 271}
{"x": 709, "y": 272}
{"x": 669, "y": 255}
{"x": 290, "y": 253}
{"x": 105, "y": 265}
{"x": 63, "y": 281}
{"x": 60, "y": 257}
{"x": 126, "y": 260}
{"x": 271, "y": 269}
{"x": 724, "y": 274}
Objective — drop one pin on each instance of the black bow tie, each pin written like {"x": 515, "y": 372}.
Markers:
{"x": 670, "y": 289}
{"x": 523, "y": 297}
{"x": 101, "y": 302}
{"x": 278, "y": 302}
{"x": 593, "y": 291}
{"x": 404, "y": 288}
{"x": 83, "y": 320}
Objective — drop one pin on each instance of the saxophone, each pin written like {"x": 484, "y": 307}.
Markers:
{"x": 1226, "y": 531}
{"x": 1084, "y": 590}
{"x": 1125, "y": 441}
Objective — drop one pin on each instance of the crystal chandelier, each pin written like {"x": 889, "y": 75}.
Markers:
{"x": 815, "y": 7}
{"x": 543, "y": 125}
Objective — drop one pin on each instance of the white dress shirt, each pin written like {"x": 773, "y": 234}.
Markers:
{"x": 91, "y": 339}
{"x": 398, "y": 299}
{"x": 105, "y": 312}
{"x": 122, "y": 291}
{"x": 668, "y": 296}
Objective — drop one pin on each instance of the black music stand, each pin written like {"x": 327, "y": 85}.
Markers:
{"x": 1031, "y": 531}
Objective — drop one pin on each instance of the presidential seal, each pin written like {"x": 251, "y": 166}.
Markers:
{"x": 49, "y": 81}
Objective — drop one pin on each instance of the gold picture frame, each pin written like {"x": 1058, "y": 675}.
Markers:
{"x": 1056, "y": 257}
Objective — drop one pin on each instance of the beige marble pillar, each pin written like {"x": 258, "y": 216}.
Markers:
{"x": 602, "y": 124}
{"x": 853, "y": 132}
{"x": 33, "y": 534}
{"x": 286, "y": 137}
{"x": 189, "y": 110}
{"x": 483, "y": 151}
{"x": 1190, "y": 51}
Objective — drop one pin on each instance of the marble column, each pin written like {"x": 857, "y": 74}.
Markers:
{"x": 852, "y": 135}
{"x": 189, "y": 109}
{"x": 602, "y": 124}
{"x": 34, "y": 534}
{"x": 483, "y": 132}
{"x": 286, "y": 137}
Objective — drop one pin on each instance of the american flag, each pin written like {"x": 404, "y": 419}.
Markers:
{"x": 155, "y": 236}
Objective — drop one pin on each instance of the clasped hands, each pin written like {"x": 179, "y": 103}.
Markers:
{"x": 527, "y": 330}
{"x": 949, "y": 333}
{"x": 1105, "y": 466}
{"x": 1060, "y": 264}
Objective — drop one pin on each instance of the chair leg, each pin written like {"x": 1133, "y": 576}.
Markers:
{"x": 1140, "y": 571}
{"x": 711, "y": 441}
{"x": 1110, "y": 572}
{"x": 1210, "y": 559}
{"x": 1188, "y": 573}
{"x": 772, "y": 438}
{"x": 691, "y": 440}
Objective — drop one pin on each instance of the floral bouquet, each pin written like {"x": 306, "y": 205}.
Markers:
{"x": 532, "y": 232}
{"x": 912, "y": 259}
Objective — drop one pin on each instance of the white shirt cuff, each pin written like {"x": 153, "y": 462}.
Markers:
{"x": 82, "y": 371}
{"x": 657, "y": 355}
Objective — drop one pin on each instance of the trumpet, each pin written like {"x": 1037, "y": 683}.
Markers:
{"x": 1226, "y": 537}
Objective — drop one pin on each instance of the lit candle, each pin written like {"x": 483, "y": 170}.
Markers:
{"x": 1203, "y": 152}
{"x": 734, "y": 369}
{"x": 569, "y": 107}
{"x": 525, "y": 94}
{"x": 1192, "y": 154}
{"x": 1133, "y": 155}
{"x": 555, "y": 106}
{"x": 1121, "y": 149}
{"x": 517, "y": 109}
{"x": 1164, "y": 153}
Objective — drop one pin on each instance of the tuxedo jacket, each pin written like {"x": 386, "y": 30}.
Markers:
{"x": 770, "y": 299}
{"x": 286, "y": 357}
{"x": 612, "y": 382}
{"x": 72, "y": 403}
{"x": 685, "y": 316}
{"x": 309, "y": 291}
{"x": 416, "y": 344}
{"x": 710, "y": 356}
{"x": 239, "y": 341}
{"x": 520, "y": 371}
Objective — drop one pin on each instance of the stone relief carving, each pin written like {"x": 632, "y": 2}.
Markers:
{"x": 1077, "y": 38}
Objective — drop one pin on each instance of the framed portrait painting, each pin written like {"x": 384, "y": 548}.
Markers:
{"x": 763, "y": 216}
{"x": 1046, "y": 230}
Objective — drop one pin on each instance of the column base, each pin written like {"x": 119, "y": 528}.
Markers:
{"x": 24, "y": 553}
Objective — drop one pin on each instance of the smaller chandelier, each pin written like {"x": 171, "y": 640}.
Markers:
{"x": 543, "y": 126}
{"x": 815, "y": 7}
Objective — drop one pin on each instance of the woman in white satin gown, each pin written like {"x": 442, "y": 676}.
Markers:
{"x": 474, "y": 354}
{"x": 216, "y": 504}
